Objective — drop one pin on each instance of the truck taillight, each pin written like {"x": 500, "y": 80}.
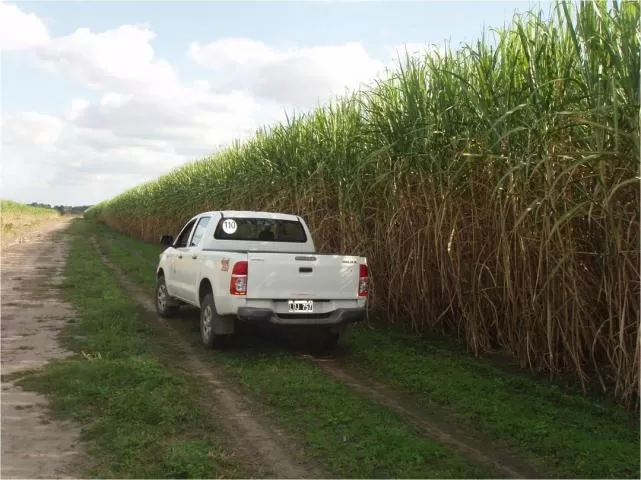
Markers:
{"x": 238, "y": 282}
{"x": 362, "y": 280}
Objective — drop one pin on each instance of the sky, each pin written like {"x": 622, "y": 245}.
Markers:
{"x": 98, "y": 97}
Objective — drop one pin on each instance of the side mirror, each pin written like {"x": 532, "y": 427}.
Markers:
{"x": 167, "y": 240}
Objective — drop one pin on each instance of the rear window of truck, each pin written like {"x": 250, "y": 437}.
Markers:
{"x": 260, "y": 230}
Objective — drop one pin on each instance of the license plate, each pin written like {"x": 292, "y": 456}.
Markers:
{"x": 296, "y": 306}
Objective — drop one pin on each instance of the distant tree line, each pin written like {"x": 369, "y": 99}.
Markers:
{"x": 63, "y": 209}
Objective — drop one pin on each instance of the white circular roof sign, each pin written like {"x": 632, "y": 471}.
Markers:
{"x": 229, "y": 226}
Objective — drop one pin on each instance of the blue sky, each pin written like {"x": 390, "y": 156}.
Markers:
{"x": 41, "y": 77}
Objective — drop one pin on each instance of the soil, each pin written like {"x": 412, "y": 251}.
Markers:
{"x": 33, "y": 445}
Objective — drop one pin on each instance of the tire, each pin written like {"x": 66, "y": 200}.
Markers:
{"x": 163, "y": 301}
{"x": 209, "y": 316}
{"x": 328, "y": 341}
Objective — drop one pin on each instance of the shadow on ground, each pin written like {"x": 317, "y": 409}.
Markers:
{"x": 253, "y": 340}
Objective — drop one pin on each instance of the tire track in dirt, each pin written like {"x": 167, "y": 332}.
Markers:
{"x": 33, "y": 445}
{"x": 254, "y": 435}
{"x": 434, "y": 424}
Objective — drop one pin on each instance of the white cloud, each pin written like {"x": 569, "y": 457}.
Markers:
{"x": 50, "y": 159}
{"x": 184, "y": 121}
{"x": 230, "y": 52}
{"x": 94, "y": 151}
{"x": 119, "y": 59}
{"x": 21, "y": 134}
{"x": 32, "y": 127}
{"x": 20, "y": 30}
{"x": 148, "y": 120}
{"x": 78, "y": 105}
{"x": 300, "y": 77}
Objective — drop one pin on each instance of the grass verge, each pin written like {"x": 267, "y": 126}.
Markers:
{"x": 137, "y": 412}
{"x": 565, "y": 432}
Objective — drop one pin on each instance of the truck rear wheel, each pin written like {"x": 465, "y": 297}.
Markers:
{"x": 208, "y": 318}
{"x": 328, "y": 341}
{"x": 164, "y": 306}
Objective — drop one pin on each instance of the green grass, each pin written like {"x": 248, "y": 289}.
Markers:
{"x": 137, "y": 412}
{"x": 9, "y": 207}
{"x": 348, "y": 435}
{"x": 569, "y": 434}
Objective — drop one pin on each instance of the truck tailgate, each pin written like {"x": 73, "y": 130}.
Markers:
{"x": 288, "y": 276}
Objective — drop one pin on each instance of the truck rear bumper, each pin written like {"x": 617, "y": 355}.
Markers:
{"x": 339, "y": 316}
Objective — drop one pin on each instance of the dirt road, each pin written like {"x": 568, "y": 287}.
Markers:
{"x": 33, "y": 446}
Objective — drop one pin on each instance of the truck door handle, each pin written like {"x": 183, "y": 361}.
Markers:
{"x": 305, "y": 269}
{"x": 194, "y": 257}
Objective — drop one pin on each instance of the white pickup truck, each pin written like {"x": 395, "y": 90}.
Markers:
{"x": 258, "y": 267}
